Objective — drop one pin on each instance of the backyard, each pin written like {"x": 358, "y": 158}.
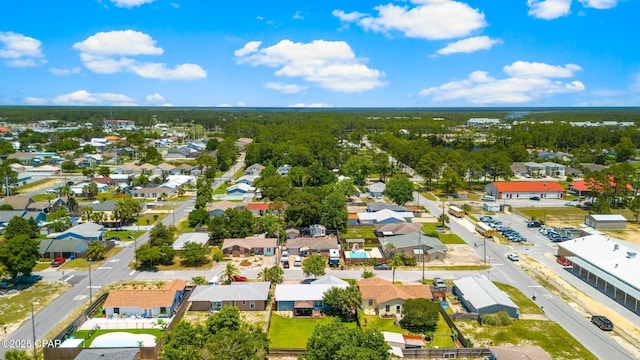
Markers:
{"x": 90, "y": 335}
{"x": 294, "y": 333}
{"x": 441, "y": 336}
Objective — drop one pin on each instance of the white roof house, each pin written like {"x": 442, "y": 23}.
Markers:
{"x": 177, "y": 181}
{"x": 306, "y": 292}
{"x": 200, "y": 238}
{"x": 385, "y": 216}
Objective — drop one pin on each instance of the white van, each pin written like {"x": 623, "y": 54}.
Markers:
{"x": 213, "y": 281}
{"x": 297, "y": 262}
{"x": 488, "y": 198}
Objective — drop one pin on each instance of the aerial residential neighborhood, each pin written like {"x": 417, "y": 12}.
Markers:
{"x": 118, "y": 246}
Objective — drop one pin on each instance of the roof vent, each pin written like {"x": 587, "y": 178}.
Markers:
{"x": 616, "y": 247}
{"x": 631, "y": 254}
{"x": 616, "y": 266}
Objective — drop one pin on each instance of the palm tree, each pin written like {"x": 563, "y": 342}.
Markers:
{"x": 230, "y": 273}
{"x": 394, "y": 262}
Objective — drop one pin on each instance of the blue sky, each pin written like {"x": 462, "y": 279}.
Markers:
{"x": 413, "y": 53}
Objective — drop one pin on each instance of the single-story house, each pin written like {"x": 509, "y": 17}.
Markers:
{"x": 518, "y": 352}
{"x": 292, "y": 233}
{"x": 247, "y": 179}
{"x": 382, "y": 297}
{"x": 319, "y": 245}
{"x": 145, "y": 303}
{"x": 377, "y": 189}
{"x": 584, "y": 187}
{"x": 175, "y": 182}
{"x": 397, "y": 229}
{"x": 247, "y": 296}
{"x": 239, "y": 190}
{"x": 187, "y": 169}
{"x": 283, "y": 170}
{"x": 525, "y": 189}
{"x": 384, "y": 217}
{"x": 305, "y": 299}
{"x": 219, "y": 207}
{"x": 147, "y": 168}
{"x": 606, "y": 221}
{"x": 258, "y": 245}
{"x": 413, "y": 245}
{"x": 50, "y": 249}
{"x": 199, "y": 238}
{"x": 479, "y": 295}
{"x": 258, "y": 209}
{"x": 151, "y": 192}
{"x": 461, "y": 194}
{"x": 19, "y": 202}
{"x": 165, "y": 168}
{"x": 7, "y": 215}
{"x": 608, "y": 264}
{"x": 380, "y": 205}
{"x": 86, "y": 231}
{"x": 129, "y": 168}
{"x": 254, "y": 169}
{"x": 316, "y": 230}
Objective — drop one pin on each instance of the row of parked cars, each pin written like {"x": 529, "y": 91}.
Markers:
{"x": 553, "y": 235}
{"x": 509, "y": 233}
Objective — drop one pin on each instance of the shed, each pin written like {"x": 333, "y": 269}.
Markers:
{"x": 492, "y": 207}
{"x": 479, "y": 295}
{"x": 606, "y": 221}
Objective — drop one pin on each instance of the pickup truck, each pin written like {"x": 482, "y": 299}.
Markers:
{"x": 285, "y": 256}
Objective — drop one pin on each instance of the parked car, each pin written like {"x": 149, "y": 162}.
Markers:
{"x": 239, "y": 278}
{"x": 513, "y": 257}
{"x": 382, "y": 267}
{"x": 486, "y": 219}
{"x": 58, "y": 261}
{"x": 563, "y": 261}
{"x": 297, "y": 261}
{"x": 602, "y": 322}
{"x": 533, "y": 224}
{"x": 535, "y": 198}
{"x": 285, "y": 264}
{"x": 488, "y": 198}
{"x": 569, "y": 203}
{"x": 438, "y": 282}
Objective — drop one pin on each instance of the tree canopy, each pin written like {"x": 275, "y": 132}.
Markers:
{"x": 338, "y": 342}
{"x": 19, "y": 254}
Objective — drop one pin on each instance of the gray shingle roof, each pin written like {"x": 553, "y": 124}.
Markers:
{"x": 237, "y": 291}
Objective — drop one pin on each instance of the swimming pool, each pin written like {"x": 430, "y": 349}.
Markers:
{"x": 359, "y": 254}
{"x": 123, "y": 339}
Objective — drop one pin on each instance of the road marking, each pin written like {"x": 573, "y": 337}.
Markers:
{"x": 498, "y": 264}
{"x": 114, "y": 260}
{"x": 94, "y": 286}
{"x": 535, "y": 286}
{"x": 133, "y": 272}
{"x": 80, "y": 297}
{"x": 169, "y": 272}
{"x": 67, "y": 278}
{"x": 104, "y": 268}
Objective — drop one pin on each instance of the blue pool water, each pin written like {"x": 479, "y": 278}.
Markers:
{"x": 358, "y": 255}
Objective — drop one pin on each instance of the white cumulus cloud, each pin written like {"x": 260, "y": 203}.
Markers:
{"x": 285, "y": 88}
{"x": 115, "y": 51}
{"x": 312, "y": 105}
{"x": 426, "y": 19}
{"x": 155, "y": 98}
{"x": 549, "y": 9}
{"x": 130, "y": 3}
{"x": 526, "y": 82}
{"x": 31, "y": 100}
{"x": 599, "y": 4}
{"x": 332, "y": 65}
{"x": 469, "y": 45}
{"x": 65, "y": 71}
{"x": 20, "y": 50}
{"x": 83, "y": 97}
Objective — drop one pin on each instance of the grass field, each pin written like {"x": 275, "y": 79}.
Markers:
{"x": 554, "y": 339}
{"x": 441, "y": 338}
{"x": 90, "y": 335}
{"x": 360, "y": 233}
{"x": 293, "y": 332}
{"x": 451, "y": 239}
{"x": 526, "y": 305}
{"x": 15, "y": 309}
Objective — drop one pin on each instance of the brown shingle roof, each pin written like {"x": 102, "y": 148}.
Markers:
{"x": 145, "y": 299}
{"x": 383, "y": 290}
{"x": 18, "y": 202}
{"x": 175, "y": 285}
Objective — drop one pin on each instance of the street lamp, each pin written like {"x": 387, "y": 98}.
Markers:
{"x": 90, "y": 288}
{"x": 135, "y": 247}
{"x": 33, "y": 328}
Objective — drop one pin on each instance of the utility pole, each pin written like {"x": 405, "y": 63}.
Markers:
{"x": 90, "y": 287}
{"x": 33, "y": 328}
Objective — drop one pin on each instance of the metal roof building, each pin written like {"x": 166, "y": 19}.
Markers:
{"x": 608, "y": 264}
{"x": 479, "y": 295}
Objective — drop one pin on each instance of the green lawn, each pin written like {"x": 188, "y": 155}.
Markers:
{"x": 441, "y": 338}
{"x": 41, "y": 266}
{"x": 524, "y": 302}
{"x": 554, "y": 339}
{"x": 43, "y": 197}
{"x": 451, "y": 239}
{"x": 360, "y": 233}
{"x": 90, "y": 335}
{"x": 375, "y": 322}
{"x": 123, "y": 234}
{"x": 293, "y": 332}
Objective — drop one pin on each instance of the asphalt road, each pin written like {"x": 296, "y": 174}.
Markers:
{"x": 115, "y": 269}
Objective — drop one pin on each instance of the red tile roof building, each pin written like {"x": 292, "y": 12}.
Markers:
{"x": 525, "y": 189}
